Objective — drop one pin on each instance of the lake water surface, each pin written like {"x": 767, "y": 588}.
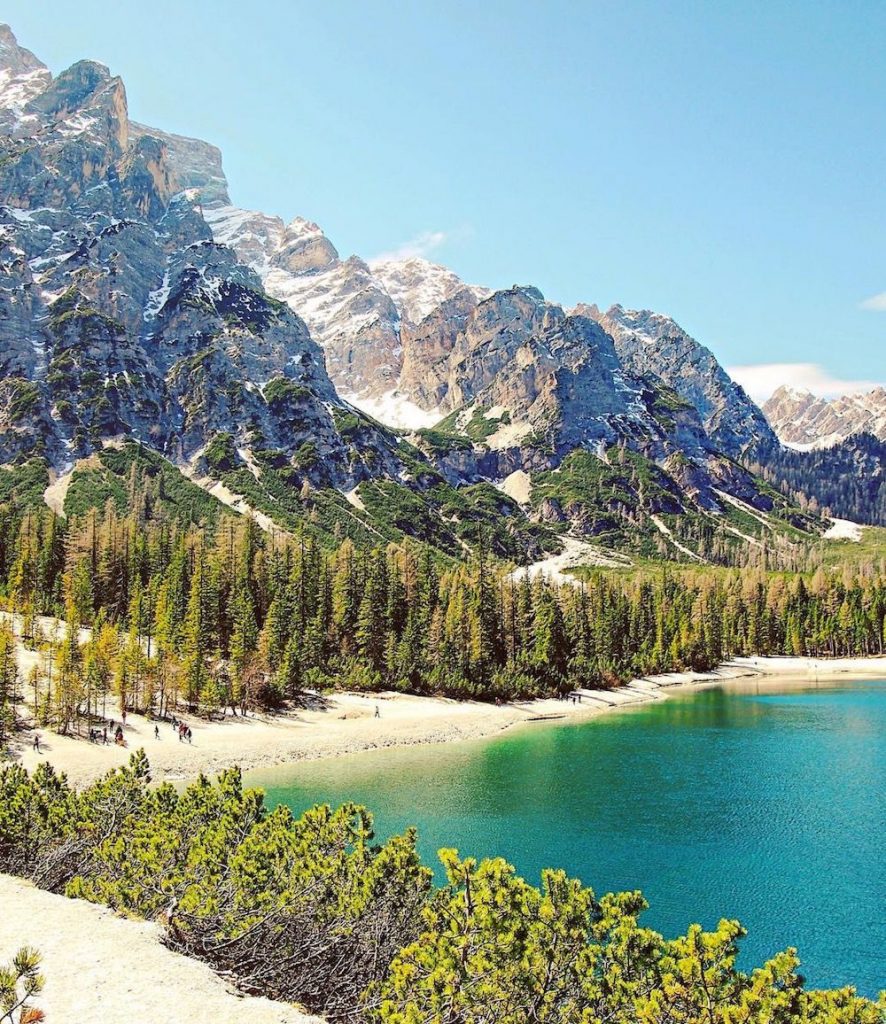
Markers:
{"x": 764, "y": 802}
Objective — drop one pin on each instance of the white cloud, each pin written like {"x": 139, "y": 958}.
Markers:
{"x": 761, "y": 379}
{"x": 422, "y": 245}
{"x": 425, "y": 243}
{"x": 876, "y": 303}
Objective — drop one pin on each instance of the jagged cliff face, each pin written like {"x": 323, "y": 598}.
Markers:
{"x": 119, "y": 314}
{"x": 802, "y": 420}
{"x": 649, "y": 342}
{"x": 348, "y": 311}
{"x": 418, "y": 287}
{"x": 551, "y": 374}
{"x": 136, "y": 302}
{"x": 357, "y": 312}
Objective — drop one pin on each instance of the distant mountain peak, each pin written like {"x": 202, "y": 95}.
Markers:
{"x": 804, "y": 420}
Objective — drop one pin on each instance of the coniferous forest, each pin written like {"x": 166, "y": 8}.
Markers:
{"x": 229, "y": 617}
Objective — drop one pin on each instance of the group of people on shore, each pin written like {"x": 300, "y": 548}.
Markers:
{"x": 182, "y": 728}
{"x": 115, "y": 729}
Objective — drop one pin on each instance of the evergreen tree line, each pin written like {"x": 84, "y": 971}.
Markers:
{"x": 310, "y": 910}
{"x": 845, "y": 480}
{"x": 160, "y": 614}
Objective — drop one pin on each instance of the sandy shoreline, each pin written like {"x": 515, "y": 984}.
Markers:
{"x": 348, "y": 724}
{"x": 101, "y": 967}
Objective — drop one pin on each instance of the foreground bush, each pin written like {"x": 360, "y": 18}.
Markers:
{"x": 311, "y": 911}
{"x": 495, "y": 950}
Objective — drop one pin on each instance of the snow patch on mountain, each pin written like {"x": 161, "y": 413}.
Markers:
{"x": 394, "y": 409}
{"x": 843, "y": 529}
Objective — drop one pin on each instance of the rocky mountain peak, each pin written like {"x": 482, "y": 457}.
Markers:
{"x": 22, "y": 77}
{"x": 419, "y": 286}
{"x": 588, "y": 309}
{"x": 649, "y": 342}
{"x": 193, "y": 165}
{"x": 14, "y": 57}
{"x": 804, "y": 420}
{"x": 74, "y": 88}
{"x": 303, "y": 248}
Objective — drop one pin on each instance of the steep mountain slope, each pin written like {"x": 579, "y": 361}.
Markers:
{"x": 803, "y": 420}
{"x": 356, "y": 311}
{"x": 848, "y": 479}
{"x": 650, "y": 342}
{"x": 22, "y": 78}
{"x": 417, "y": 286}
{"x": 119, "y": 316}
{"x": 137, "y": 304}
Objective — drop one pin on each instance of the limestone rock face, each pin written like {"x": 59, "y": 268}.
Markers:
{"x": 649, "y": 342}
{"x": 557, "y": 374}
{"x": 366, "y": 316}
{"x": 804, "y": 420}
{"x": 22, "y": 78}
{"x": 119, "y": 314}
{"x": 347, "y": 310}
{"x": 137, "y": 301}
{"x": 555, "y": 377}
{"x": 428, "y": 346}
{"x": 191, "y": 164}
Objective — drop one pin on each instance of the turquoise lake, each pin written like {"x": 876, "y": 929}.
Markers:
{"x": 766, "y": 803}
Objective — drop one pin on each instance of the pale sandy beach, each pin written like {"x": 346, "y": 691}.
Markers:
{"x": 101, "y": 967}
{"x": 346, "y": 723}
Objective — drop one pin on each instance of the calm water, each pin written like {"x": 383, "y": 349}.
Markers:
{"x": 768, "y": 806}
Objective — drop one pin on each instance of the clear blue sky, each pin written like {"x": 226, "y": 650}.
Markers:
{"x": 723, "y": 162}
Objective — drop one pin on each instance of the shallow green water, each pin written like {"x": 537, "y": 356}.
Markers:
{"x": 767, "y": 806}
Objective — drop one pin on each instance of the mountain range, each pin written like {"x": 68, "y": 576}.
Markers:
{"x": 803, "y": 420}
{"x": 141, "y": 311}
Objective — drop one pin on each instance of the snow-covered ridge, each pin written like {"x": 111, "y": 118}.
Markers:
{"x": 352, "y": 309}
{"x": 22, "y": 75}
{"x": 18, "y": 90}
{"x": 418, "y": 286}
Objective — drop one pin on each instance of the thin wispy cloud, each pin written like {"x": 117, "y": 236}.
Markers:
{"x": 761, "y": 379}
{"x": 422, "y": 245}
{"x": 876, "y": 303}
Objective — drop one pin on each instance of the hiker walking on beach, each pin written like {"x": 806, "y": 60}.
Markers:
{"x": 37, "y": 742}
{"x": 156, "y": 732}
{"x": 105, "y": 735}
